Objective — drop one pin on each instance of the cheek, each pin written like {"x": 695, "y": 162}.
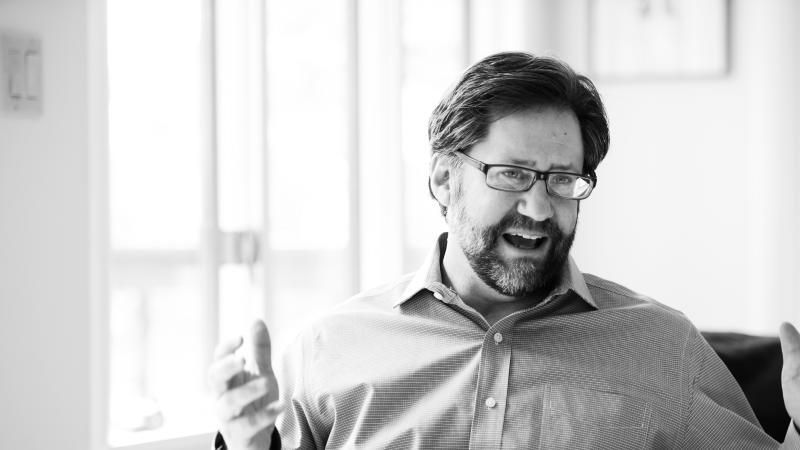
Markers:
{"x": 481, "y": 202}
{"x": 489, "y": 206}
{"x": 566, "y": 215}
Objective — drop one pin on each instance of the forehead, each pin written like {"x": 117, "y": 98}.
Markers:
{"x": 544, "y": 139}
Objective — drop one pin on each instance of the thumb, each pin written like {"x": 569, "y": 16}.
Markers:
{"x": 790, "y": 374}
{"x": 261, "y": 348}
{"x": 790, "y": 347}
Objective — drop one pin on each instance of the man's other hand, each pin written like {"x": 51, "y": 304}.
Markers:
{"x": 246, "y": 405}
{"x": 790, "y": 375}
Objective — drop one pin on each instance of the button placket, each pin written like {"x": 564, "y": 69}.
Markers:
{"x": 492, "y": 389}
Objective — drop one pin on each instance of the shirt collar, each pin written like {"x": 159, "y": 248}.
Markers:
{"x": 429, "y": 276}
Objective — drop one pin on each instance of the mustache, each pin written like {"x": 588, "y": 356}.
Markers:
{"x": 518, "y": 221}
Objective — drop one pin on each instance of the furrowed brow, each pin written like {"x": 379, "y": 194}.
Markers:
{"x": 554, "y": 167}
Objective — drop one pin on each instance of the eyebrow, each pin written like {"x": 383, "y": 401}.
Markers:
{"x": 532, "y": 164}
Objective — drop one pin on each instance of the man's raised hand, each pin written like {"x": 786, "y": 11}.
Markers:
{"x": 246, "y": 405}
{"x": 790, "y": 375}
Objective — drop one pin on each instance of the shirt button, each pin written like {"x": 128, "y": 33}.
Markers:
{"x": 491, "y": 402}
{"x": 498, "y": 338}
{"x": 438, "y": 296}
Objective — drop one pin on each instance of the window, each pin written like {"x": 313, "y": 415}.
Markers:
{"x": 238, "y": 147}
{"x": 159, "y": 111}
{"x": 310, "y": 258}
{"x": 433, "y": 51}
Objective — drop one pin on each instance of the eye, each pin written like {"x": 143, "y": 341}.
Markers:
{"x": 560, "y": 178}
{"x": 511, "y": 173}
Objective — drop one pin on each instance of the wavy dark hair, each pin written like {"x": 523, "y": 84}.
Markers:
{"x": 509, "y": 82}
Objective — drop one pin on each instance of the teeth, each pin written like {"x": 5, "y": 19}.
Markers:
{"x": 526, "y": 236}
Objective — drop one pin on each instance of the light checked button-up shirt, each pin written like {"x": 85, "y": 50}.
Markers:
{"x": 594, "y": 366}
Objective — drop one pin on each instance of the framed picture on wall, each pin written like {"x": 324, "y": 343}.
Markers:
{"x": 658, "y": 38}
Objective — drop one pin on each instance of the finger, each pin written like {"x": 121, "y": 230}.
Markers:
{"x": 262, "y": 347}
{"x": 222, "y": 371}
{"x": 247, "y": 426}
{"x": 790, "y": 347}
{"x": 232, "y": 402}
{"x": 227, "y": 347}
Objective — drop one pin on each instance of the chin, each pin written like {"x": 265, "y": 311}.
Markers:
{"x": 517, "y": 277}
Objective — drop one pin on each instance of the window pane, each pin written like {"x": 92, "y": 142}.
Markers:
{"x": 240, "y": 152}
{"x": 433, "y": 46}
{"x": 157, "y": 100}
{"x": 307, "y": 162}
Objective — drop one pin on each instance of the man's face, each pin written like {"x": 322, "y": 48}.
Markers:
{"x": 494, "y": 228}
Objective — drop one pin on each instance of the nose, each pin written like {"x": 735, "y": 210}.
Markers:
{"x": 535, "y": 203}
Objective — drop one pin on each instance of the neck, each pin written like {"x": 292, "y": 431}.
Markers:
{"x": 491, "y": 304}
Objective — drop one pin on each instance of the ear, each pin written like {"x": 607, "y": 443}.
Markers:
{"x": 440, "y": 179}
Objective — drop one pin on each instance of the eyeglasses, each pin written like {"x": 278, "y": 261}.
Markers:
{"x": 504, "y": 177}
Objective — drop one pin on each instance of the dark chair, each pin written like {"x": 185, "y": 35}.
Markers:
{"x": 755, "y": 362}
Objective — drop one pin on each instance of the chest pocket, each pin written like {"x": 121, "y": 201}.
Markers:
{"x": 576, "y": 418}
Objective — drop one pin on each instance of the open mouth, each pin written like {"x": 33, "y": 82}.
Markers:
{"x": 524, "y": 241}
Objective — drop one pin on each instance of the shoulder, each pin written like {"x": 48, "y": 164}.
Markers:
{"x": 381, "y": 297}
{"x": 613, "y": 296}
{"x": 369, "y": 306}
{"x": 352, "y": 329}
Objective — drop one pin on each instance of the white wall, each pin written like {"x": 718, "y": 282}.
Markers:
{"x": 711, "y": 225}
{"x": 44, "y": 240}
{"x": 712, "y": 229}
{"x": 708, "y": 229}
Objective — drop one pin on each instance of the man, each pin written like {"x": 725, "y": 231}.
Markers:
{"x": 499, "y": 341}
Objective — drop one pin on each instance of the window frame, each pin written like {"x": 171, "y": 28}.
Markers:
{"x": 373, "y": 81}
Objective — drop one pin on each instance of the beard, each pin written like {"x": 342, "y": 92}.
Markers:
{"x": 519, "y": 277}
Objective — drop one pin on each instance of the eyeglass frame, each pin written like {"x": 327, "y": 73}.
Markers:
{"x": 537, "y": 175}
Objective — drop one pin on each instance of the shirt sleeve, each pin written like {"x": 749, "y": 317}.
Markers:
{"x": 718, "y": 414}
